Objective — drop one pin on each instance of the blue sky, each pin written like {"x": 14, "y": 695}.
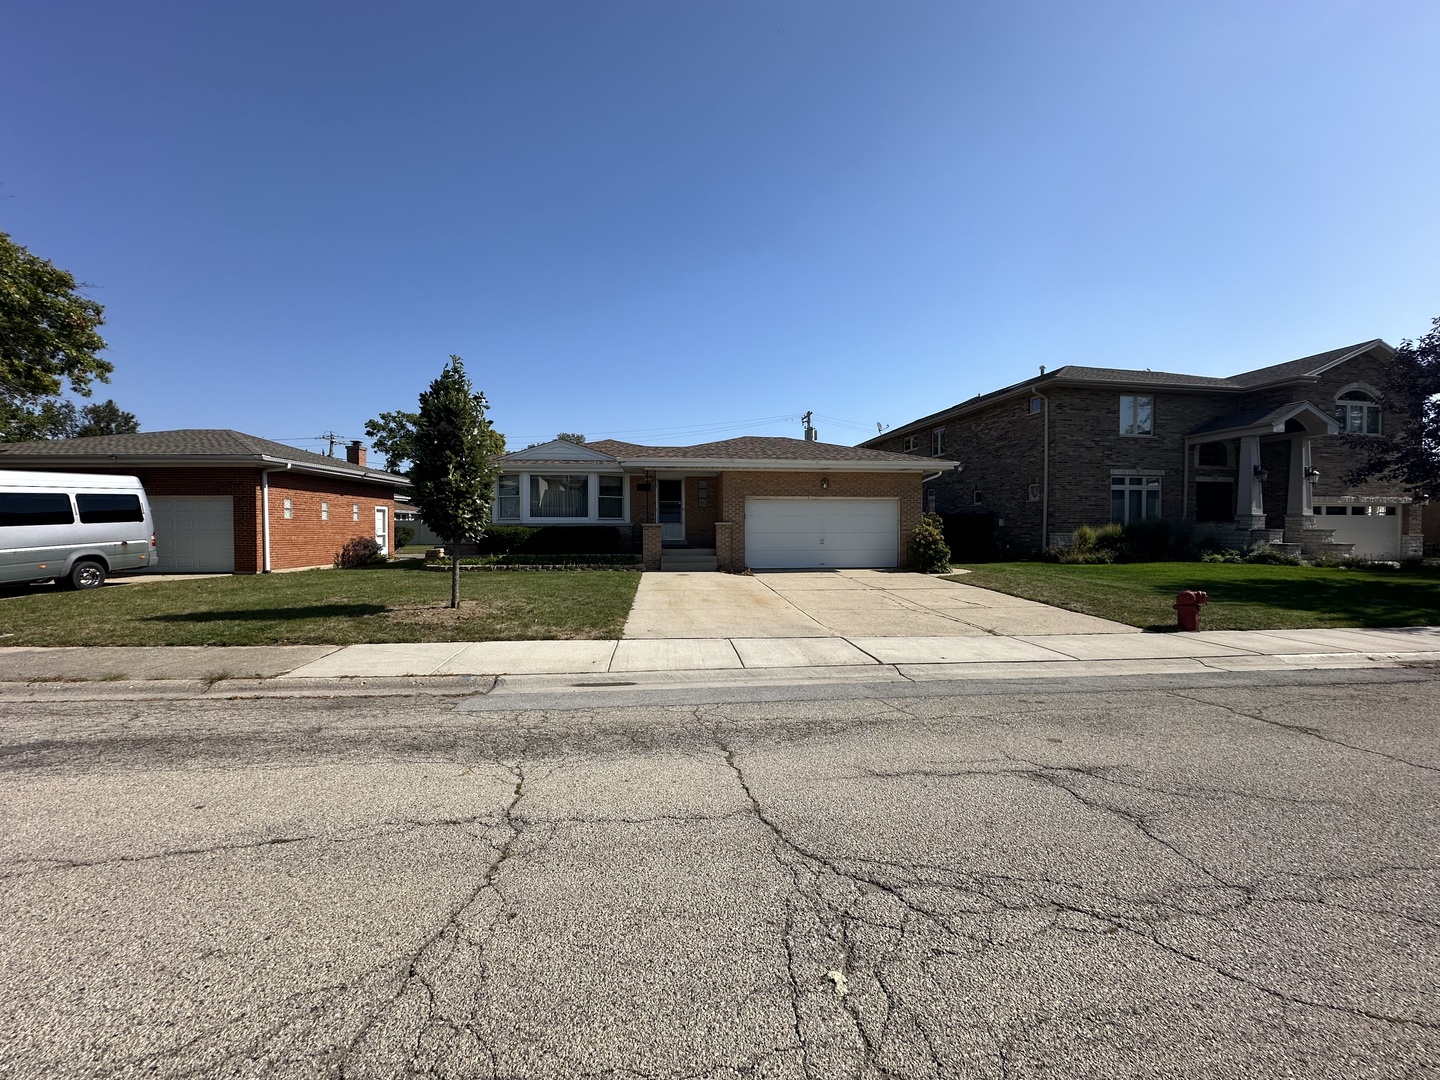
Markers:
{"x": 675, "y": 221}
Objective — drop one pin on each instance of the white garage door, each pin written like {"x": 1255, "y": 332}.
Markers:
{"x": 1374, "y": 530}
{"x": 809, "y": 533}
{"x": 194, "y": 535}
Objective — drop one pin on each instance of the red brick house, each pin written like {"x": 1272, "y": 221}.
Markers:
{"x": 749, "y": 502}
{"x": 225, "y": 501}
{"x": 1255, "y": 458}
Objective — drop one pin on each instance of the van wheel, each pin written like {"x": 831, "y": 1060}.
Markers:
{"x": 86, "y": 574}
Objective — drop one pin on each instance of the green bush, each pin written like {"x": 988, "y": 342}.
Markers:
{"x": 1267, "y": 556}
{"x": 929, "y": 554}
{"x": 404, "y": 535}
{"x": 358, "y": 551}
{"x": 1227, "y": 555}
{"x": 550, "y": 540}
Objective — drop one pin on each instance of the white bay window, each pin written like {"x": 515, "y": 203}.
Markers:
{"x": 559, "y": 496}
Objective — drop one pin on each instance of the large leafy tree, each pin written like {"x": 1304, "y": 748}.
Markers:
{"x": 453, "y": 462}
{"x": 49, "y": 337}
{"x": 1409, "y": 453}
{"x": 393, "y": 434}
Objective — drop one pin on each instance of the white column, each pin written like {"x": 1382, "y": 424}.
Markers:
{"x": 1249, "y": 491}
{"x": 1299, "y": 499}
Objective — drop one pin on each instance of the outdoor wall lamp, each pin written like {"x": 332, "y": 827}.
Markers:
{"x": 1311, "y": 473}
{"x": 824, "y": 481}
{"x": 1261, "y": 474}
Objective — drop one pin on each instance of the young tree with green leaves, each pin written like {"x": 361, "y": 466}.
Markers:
{"x": 453, "y": 462}
{"x": 1409, "y": 452}
{"x": 49, "y": 335}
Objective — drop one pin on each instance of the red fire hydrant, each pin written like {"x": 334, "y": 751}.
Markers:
{"x": 1187, "y": 608}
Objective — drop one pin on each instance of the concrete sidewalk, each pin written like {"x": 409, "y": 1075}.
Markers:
{"x": 755, "y": 659}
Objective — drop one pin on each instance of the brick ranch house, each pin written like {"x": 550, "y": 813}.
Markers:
{"x": 763, "y": 503}
{"x": 1255, "y": 459}
{"x": 228, "y": 502}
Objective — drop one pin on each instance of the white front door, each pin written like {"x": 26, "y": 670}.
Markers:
{"x": 670, "y": 511}
{"x": 382, "y": 529}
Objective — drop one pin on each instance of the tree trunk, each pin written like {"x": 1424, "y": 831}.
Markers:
{"x": 454, "y": 578}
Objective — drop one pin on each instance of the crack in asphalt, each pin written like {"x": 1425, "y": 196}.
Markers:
{"x": 1144, "y": 920}
{"x": 1301, "y": 729}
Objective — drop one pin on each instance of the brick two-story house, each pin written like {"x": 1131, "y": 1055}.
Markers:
{"x": 1257, "y": 458}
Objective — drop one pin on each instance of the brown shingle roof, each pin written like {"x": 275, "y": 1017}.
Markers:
{"x": 1305, "y": 366}
{"x": 218, "y": 443}
{"x": 751, "y": 448}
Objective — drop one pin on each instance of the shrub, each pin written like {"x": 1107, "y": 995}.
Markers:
{"x": 550, "y": 540}
{"x": 404, "y": 535}
{"x": 358, "y": 551}
{"x": 1267, "y": 556}
{"x": 1225, "y": 556}
{"x": 1146, "y": 541}
{"x": 929, "y": 554}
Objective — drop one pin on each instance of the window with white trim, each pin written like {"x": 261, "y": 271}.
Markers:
{"x": 937, "y": 442}
{"x": 507, "y": 498}
{"x": 324, "y": 511}
{"x": 1037, "y": 405}
{"x": 912, "y": 443}
{"x": 1137, "y": 414}
{"x": 1357, "y": 412}
{"x": 289, "y": 509}
{"x": 354, "y": 511}
{"x": 612, "y": 497}
{"x": 1134, "y": 498}
{"x": 559, "y": 496}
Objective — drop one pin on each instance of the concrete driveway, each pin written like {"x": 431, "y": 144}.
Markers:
{"x": 840, "y": 603}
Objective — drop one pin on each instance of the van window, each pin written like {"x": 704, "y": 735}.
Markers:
{"x": 35, "y": 508}
{"x": 100, "y": 509}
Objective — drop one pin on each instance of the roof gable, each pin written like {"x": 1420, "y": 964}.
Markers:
{"x": 559, "y": 450}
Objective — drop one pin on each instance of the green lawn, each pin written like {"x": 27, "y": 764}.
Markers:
{"x": 399, "y": 601}
{"x": 1242, "y": 597}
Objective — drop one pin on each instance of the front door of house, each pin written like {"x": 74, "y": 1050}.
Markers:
{"x": 382, "y": 528}
{"x": 670, "y": 511}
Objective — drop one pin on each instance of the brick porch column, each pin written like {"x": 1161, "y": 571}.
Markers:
{"x": 650, "y": 544}
{"x": 724, "y": 555}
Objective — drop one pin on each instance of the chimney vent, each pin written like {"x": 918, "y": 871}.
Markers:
{"x": 355, "y": 453}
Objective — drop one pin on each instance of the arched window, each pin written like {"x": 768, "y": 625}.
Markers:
{"x": 1357, "y": 412}
{"x": 1213, "y": 453}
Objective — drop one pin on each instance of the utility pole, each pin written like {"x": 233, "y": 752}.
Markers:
{"x": 810, "y": 433}
{"x": 333, "y": 440}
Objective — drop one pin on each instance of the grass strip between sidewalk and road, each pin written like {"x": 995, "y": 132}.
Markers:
{"x": 1242, "y": 596}
{"x": 398, "y": 601}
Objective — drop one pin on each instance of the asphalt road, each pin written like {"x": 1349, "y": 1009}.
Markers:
{"x": 1224, "y": 879}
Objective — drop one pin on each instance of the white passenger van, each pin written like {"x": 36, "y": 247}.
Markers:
{"x": 77, "y": 528}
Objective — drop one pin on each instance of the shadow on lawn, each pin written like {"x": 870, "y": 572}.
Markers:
{"x": 1349, "y": 598}
{"x": 274, "y": 614}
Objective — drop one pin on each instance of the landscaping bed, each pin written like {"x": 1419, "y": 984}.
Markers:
{"x": 1243, "y": 596}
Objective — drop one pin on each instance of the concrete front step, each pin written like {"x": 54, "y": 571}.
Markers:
{"x": 689, "y": 560}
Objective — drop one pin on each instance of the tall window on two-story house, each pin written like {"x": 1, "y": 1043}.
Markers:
{"x": 1357, "y": 412}
{"x": 937, "y": 442}
{"x": 1134, "y": 498}
{"x": 1137, "y": 414}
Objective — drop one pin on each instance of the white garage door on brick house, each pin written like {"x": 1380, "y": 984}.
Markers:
{"x": 821, "y": 533}
{"x": 194, "y": 534}
{"x": 1374, "y": 529}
